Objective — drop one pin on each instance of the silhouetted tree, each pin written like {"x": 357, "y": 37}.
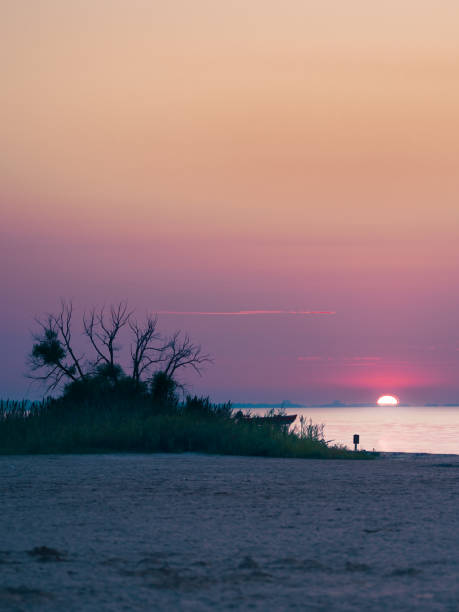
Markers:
{"x": 102, "y": 329}
{"x": 53, "y": 358}
{"x": 148, "y": 347}
{"x": 182, "y": 353}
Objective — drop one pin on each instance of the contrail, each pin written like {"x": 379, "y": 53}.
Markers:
{"x": 246, "y": 313}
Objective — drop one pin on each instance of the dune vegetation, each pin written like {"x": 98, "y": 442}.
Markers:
{"x": 104, "y": 407}
{"x": 117, "y": 424}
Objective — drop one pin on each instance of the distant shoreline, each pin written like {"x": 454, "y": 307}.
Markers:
{"x": 286, "y": 406}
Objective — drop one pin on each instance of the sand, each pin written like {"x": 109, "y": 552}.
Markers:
{"x": 193, "y": 532}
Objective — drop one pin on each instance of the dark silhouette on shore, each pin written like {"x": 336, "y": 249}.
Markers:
{"x": 104, "y": 409}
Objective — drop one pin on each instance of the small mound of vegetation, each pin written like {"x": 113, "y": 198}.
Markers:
{"x": 111, "y": 423}
{"x": 105, "y": 407}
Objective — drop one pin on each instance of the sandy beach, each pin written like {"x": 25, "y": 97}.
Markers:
{"x": 193, "y": 532}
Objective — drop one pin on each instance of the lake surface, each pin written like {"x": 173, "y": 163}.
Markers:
{"x": 400, "y": 429}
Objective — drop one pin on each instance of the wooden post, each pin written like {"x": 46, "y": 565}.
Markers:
{"x": 356, "y": 441}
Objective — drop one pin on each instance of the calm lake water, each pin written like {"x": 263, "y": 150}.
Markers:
{"x": 400, "y": 429}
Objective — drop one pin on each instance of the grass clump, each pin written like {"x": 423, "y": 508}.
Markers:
{"x": 113, "y": 423}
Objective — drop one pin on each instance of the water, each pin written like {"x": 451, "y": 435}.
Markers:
{"x": 400, "y": 429}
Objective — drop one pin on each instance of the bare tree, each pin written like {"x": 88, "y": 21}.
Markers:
{"x": 103, "y": 328}
{"x": 53, "y": 359}
{"x": 182, "y": 353}
{"x": 147, "y": 347}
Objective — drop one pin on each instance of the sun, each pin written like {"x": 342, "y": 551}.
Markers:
{"x": 387, "y": 400}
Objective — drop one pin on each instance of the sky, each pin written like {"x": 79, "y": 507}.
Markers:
{"x": 199, "y": 157}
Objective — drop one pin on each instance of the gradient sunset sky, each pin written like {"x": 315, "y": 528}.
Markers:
{"x": 204, "y": 159}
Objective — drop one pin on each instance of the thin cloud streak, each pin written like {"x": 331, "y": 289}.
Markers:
{"x": 244, "y": 313}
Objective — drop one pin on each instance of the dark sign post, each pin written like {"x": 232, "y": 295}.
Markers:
{"x": 356, "y": 440}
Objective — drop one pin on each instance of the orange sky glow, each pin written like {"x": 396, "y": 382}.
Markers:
{"x": 207, "y": 157}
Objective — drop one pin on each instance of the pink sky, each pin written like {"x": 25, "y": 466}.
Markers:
{"x": 203, "y": 157}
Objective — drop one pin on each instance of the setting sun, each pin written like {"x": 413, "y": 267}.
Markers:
{"x": 387, "y": 400}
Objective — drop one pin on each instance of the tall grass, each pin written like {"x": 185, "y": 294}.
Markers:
{"x": 197, "y": 425}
